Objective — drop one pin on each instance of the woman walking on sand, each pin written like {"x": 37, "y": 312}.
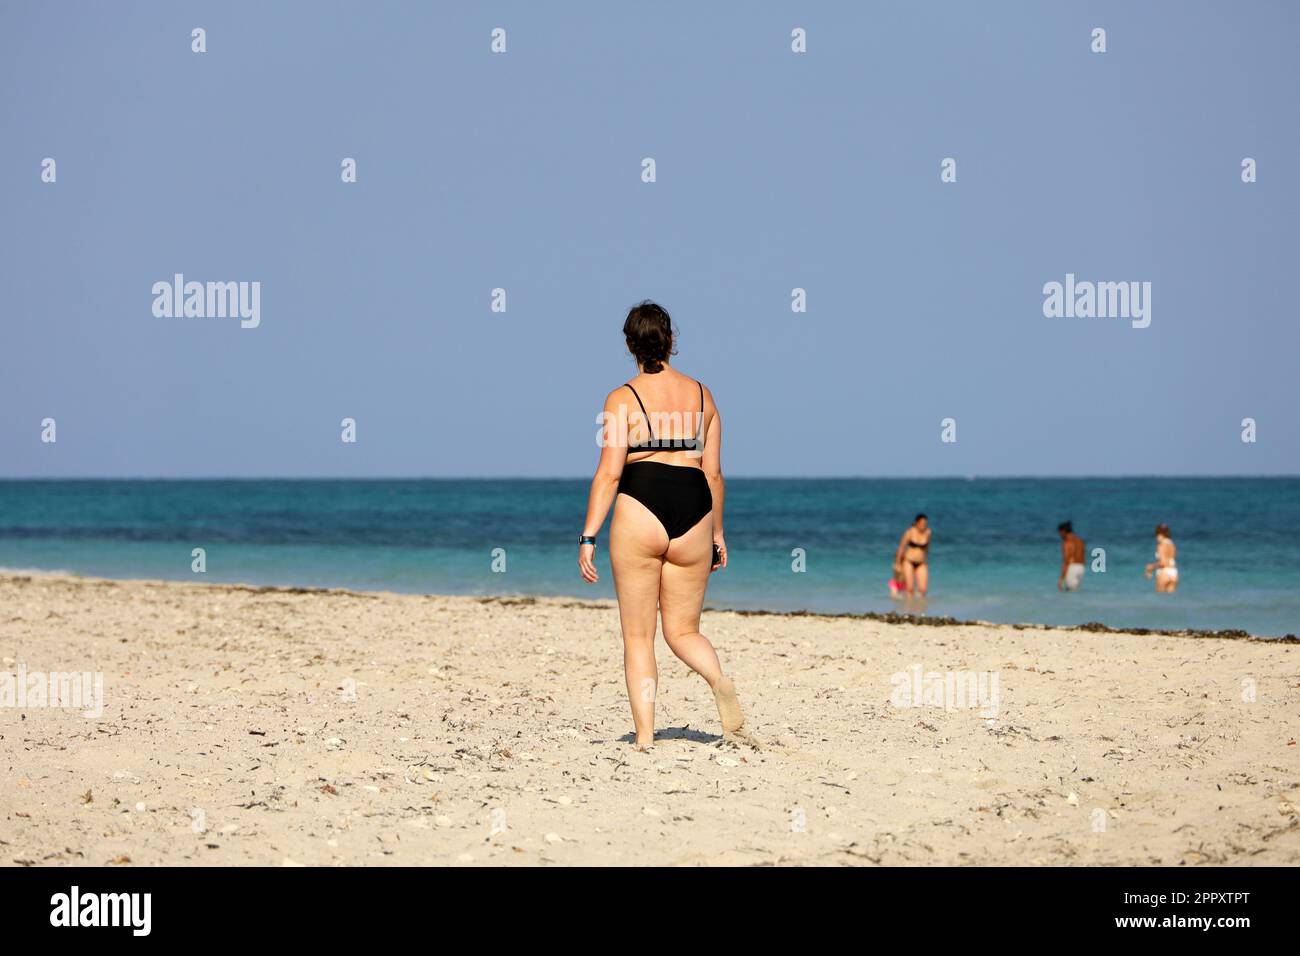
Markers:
{"x": 1165, "y": 565}
{"x": 912, "y": 554}
{"x": 662, "y": 473}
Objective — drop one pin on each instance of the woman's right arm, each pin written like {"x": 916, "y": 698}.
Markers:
{"x": 604, "y": 486}
{"x": 711, "y": 462}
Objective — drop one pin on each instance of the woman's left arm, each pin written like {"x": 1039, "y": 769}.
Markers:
{"x": 604, "y": 486}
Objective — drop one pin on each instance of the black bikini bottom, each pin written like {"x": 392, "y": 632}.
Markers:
{"x": 678, "y": 495}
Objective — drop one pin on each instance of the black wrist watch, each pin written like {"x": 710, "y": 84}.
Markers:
{"x": 586, "y": 539}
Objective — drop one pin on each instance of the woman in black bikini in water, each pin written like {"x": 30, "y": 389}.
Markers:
{"x": 662, "y": 472}
{"x": 913, "y": 548}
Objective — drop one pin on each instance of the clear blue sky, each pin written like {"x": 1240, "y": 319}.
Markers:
{"x": 522, "y": 170}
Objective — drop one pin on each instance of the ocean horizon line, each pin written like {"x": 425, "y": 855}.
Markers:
{"x": 1135, "y": 476}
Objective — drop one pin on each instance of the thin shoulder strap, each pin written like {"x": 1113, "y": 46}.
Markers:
{"x": 643, "y": 411}
{"x": 700, "y": 431}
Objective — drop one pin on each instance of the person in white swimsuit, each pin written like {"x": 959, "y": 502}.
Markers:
{"x": 1165, "y": 566}
{"x": 1072, "y": 551}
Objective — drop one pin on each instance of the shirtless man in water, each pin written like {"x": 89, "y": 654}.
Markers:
{"x": 1072, "y": 568}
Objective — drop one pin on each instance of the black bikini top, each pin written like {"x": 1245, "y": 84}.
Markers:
{"x": 669, "y": 444}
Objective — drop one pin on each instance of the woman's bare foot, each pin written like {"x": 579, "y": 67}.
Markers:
{"x": 724, "y": 692}
{"x": 644, "y": 747}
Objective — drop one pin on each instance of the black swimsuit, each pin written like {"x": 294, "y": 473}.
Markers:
{"x": 678, "y": 495}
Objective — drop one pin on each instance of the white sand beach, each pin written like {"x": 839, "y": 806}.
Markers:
{"x": 282, "y": 727}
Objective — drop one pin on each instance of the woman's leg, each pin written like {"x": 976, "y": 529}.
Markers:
{"x": 923, "y": 579}
{"x": 909, "y": 577}
{"x": 636, "y": 545}
{"x": 682, "y": 585}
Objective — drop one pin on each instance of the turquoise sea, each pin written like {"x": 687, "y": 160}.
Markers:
{"x": 995, "y": 554}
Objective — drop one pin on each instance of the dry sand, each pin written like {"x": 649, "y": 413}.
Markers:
{"x": 253, "y": 726}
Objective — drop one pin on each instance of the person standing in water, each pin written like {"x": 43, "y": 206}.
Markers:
{"x": 661, "y": 472}
{"x": 1072, "y": 550}
{"x": 1165, "y": 566}
{"x": 913, "y": 551}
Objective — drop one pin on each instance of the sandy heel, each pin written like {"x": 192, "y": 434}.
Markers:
{"x": 728, "y": 706}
